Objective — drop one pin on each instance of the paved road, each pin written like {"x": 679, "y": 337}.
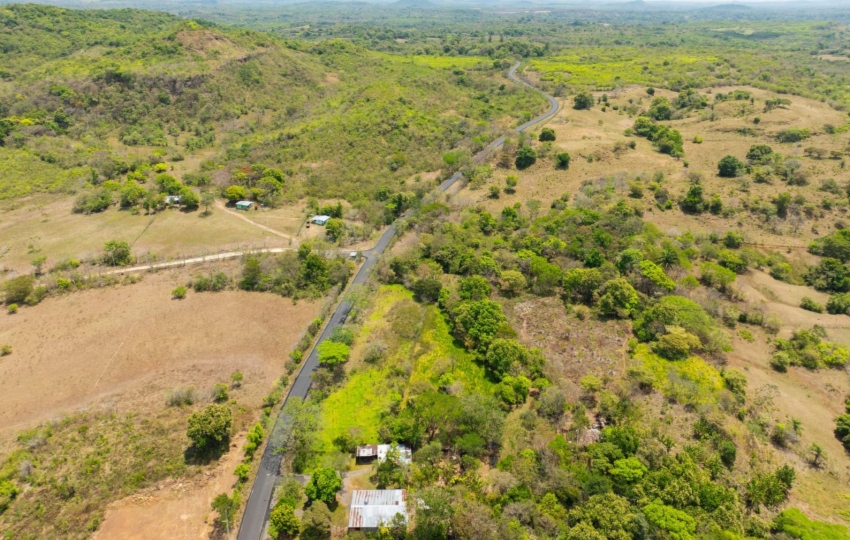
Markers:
{"x": 259, "y": 500}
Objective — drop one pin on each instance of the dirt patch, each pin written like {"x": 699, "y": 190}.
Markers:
{"x": 125, "y": 347}
{"x": 174, "y": 508}
{"x": 331, "y": 78}
{"x": 573, "y": 348}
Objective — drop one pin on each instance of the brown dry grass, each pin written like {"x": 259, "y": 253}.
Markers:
{"x": 573, "y": 348}
{"x": 125, "y": 347}
{"x": 174, "y": 508}
{"x": 50, "y": 227}
{"x": 593, "y": 132}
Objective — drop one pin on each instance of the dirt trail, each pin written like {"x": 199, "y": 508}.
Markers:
{"x": 220, "y": 205}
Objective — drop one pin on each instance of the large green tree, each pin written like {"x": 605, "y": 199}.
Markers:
{"x": 323, "y": 485}
{"x": 210, "y": 427}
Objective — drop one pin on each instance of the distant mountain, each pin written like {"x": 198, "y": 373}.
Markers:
{"x": 417, "y": 4}
{"x": 728, "y": 7}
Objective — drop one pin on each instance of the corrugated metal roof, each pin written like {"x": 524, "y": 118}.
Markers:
{"x": 371, "y": 508}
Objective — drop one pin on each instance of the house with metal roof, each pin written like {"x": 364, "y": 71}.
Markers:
{"x": 371, "y": 452}
{"x": 320, "y": 220}
{"x": 372, "y": 508}
{"x": 244, "y": 205}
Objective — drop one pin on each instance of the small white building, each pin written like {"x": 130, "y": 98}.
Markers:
{"x": 320, "y": 220}
{"x": 370, "y": 452}
{"x": 372, "y": 508}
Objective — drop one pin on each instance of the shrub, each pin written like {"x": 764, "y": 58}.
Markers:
{"x": 93, "y": 201}
{"x": 694, "y": 202}
{"x": 12, "y": 309}
{"x": 375, "y": 352}
{"x": 793, "y": 135}
{"x": 810, "y": 305}
{"x": 676, "y": 344}
{"x": 546, "y": 134}
{"x": 474, "y": 288}
{"x": 583, "y": 100}
{"x": 213, "y": 282}
{"x": 656, "y": 275}
{"x": 836, "y": 246}
{"x": 16, "y": 290}
{"x": 236, "y": 379}
{"x": 210, "y": 428}
{"x": 842, "y": 430}
{"x": 714, "y": 275}
{"x": 219, "y": 392}
{"x": 759, "y": 153}
{"x": 562, "y": 160}
{"x": 5, "y": 350}
{"x": 525, "y": 157}
{"x": 838, "y": 304}
{"x": 728, "y": 452}
{"x": 729, "y": 167}
{"x": 242, "y": 471}
{"x": 661, "y": 109}
{"x": 666, "y": 140}
{"x": 733, "y": 240}
{"x": 235, "y": 193}
{"x": 619, "y": 299}
{"x": 697, "y": 139}
{"x": 179, "y": 292}
{"x": 332, "y": 353}
{"x": 180, "y": 397}
{"x": 283, "y": 523}
{"x": 117, "y": 253}
{"x": 342, "y": 334}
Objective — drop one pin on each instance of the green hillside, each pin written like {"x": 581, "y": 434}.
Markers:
{"x": 107, "y": 92}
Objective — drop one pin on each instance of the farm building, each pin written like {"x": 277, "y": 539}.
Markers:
{"x": 244, "y": 205}
{"x": 375, "y": 507}
{"x": 172, "y": 199}
{"x": 379, "y": 452}
{"x": 320, "y": 220}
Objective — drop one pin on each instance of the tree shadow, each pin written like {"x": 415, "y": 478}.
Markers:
{"x": 204, "y": 456}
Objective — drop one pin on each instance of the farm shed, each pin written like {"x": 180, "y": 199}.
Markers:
{"x": 244, "y": 205}
{"x": 320, "y": 220}
{"x": 379, "y": 451}
{"x": 375, "y": 507}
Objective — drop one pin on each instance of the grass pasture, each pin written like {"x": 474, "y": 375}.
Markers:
{"x": 46, "y": 226}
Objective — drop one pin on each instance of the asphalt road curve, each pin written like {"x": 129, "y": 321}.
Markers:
{"x": 259, "y": 500}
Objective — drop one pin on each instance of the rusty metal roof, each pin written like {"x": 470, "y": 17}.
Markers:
{"x": 371, "y": 508}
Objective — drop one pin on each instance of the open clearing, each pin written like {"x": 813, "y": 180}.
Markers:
{"x": 124, "y": 347}
{"x": 174, "y": 508}
{"x": 53, "y": 230}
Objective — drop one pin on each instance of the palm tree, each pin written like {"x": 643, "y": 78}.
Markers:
{"x": 818, "y": 455}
